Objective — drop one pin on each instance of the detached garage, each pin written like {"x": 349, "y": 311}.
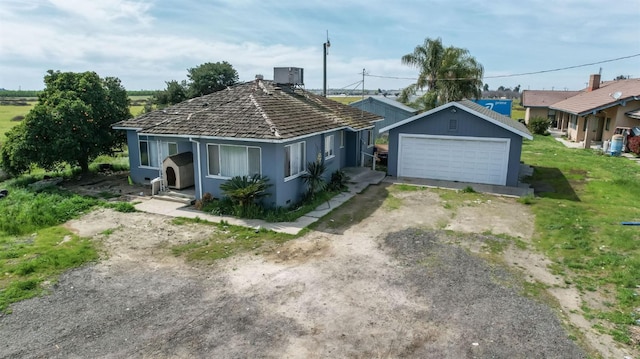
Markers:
{"x": 460, "y": 141}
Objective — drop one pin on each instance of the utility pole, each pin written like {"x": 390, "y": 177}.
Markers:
{"x": 363, "y": 83}
{"x": 325, "y": 46}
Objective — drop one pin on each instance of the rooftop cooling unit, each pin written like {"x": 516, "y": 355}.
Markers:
{"x": 288, "y": 75}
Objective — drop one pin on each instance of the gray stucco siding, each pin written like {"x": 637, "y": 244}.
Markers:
{"x": 468, "y": 125}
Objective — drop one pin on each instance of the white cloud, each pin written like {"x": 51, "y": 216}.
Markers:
{"x": 147, "y": 42}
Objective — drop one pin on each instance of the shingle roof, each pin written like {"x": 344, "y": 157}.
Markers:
{"x": 477, "y": 110}
{"x": 542, "y": 98}
{"x": 500, "y": 118}
{"x": 252, "y": 110}
{"x": 600, "y": 98}
{"x": 388, "y": 101}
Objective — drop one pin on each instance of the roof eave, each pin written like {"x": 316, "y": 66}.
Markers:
{"x": 463, "y": 108}
{"x": 596, "y": 109}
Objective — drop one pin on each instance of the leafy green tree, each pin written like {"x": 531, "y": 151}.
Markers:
{"x": 448, "y": 74}
{"x": 175, "y": 92}
{"x": 70, "y": 124}
{"x": 210, "y": 77}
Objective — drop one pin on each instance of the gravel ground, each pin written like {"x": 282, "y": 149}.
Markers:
{"x": 372, "y": 288}
{"x": 487, "y": 307}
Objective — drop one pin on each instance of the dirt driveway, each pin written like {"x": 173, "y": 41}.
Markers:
{"x": 407, "y": 278}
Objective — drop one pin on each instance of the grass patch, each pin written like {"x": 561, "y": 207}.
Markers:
{"x": 27, "y": 261}
{"x": 25, "y": 211}
{"x": 406, "y": 188}
{"x": 581, "y": 199}
{"x": 124, "y": 207}
{"x": 392, "y": 202}
{"x": 226, "y": 240}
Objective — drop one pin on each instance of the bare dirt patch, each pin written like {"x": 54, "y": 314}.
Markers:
{"x": 371, "y": 280}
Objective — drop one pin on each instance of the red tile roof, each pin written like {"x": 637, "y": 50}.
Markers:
{"x": 252, "y": 110}
{"x": 542, "y": 98}
{"x": 600, "y": 98}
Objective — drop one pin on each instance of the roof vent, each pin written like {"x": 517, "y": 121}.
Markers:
{"x": 288, "y": 75}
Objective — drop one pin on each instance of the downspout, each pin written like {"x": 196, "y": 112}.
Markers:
{"x": 199, "y": 164}
{"x": 322, "y": 149}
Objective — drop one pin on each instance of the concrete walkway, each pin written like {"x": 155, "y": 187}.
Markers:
{"x": 359, "y": 180}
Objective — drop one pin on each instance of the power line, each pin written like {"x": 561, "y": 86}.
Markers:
{"x": 514, "y": 75}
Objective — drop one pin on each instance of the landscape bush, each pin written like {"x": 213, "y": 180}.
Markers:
{"x": 339, "y": 181}
{"x": 24, "y": 211}
{"x": 246, "y": 191}
{"x": 539, "y": 125}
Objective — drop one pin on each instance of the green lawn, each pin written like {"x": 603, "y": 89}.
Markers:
{"x": 583, "y": 199}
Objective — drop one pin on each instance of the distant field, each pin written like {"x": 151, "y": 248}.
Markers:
{"x": 9, "y": 112}
{"x": 345, "y": 99}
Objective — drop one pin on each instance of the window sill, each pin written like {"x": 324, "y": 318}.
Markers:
{"x": 218, "y": 177}
{"x": 149, "y": 168}
{"x": 329, "y": 157}
{"x": 287, "y": 179}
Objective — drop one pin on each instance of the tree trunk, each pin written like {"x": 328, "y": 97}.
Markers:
{"x": 84, "y": 164}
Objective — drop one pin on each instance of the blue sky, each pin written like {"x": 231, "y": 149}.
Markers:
{"x": 148, "y": 42}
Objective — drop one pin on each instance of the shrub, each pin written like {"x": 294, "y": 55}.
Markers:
{"x": 634, "y": 144}
{"x": 339, "y": 181}
{"x": 245, "y": 191}
{"x": 314, "y": 178}
{"x": 539, "y": 125}
{"x": 468, "y": 189}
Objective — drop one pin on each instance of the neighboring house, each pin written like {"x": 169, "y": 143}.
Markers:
{"x": 459, "y": 141}
{"x": 391, "y": 110}
{"x": 593, "y": 115}
{"x": 537, "y": 103}
{"x": 257, "y": 127}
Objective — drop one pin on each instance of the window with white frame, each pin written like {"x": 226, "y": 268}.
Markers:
{"x": 230, "y": 161}
{"x": 342, "y": 139}
{"x": 370, "y": 142}
{"x": 148, "y": 153}
{"x": 294, "y": 159}
{"x": 328, "y": 147}
{"x": 153, "y": 152}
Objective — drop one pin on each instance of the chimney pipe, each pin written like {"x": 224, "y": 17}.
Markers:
{"x": 594, "y": 82}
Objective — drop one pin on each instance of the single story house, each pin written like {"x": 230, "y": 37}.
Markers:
{"x": 458, "y": 141}
{"x": 391, "y": 110}
{"x": 593, "y": 115}
{"x": 537, "y": 103}
{"x": 259, "y": 127}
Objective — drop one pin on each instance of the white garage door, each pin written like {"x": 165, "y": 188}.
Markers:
{"x": 451, "y": 158}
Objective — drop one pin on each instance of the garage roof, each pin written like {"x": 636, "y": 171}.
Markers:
{"x": 476, "y": 110}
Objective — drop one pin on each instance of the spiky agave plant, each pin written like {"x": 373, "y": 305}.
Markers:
{"x": 246, "y": 190}
{"x": 314, "y": 178}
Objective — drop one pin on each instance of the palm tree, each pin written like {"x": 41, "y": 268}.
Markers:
{"x": 448, "y": 74}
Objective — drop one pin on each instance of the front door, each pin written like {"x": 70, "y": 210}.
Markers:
{"x": 598, "y": 129}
